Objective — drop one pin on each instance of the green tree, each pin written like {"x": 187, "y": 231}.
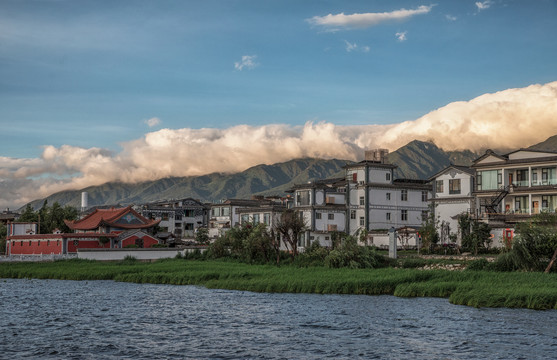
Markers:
{"x": 475, "y": 235}
{"x": 290, "y": 226}
{"x": 202, "y": 235}
{"x": 3, "y": 232}
{"x": 28, "y": 215}
{"x": 429, "y": 231}
{"x": 536, "y": 243}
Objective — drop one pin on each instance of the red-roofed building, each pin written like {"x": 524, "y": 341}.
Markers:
{"x": 103, "y": 228}
{"x": 110, "y": 220}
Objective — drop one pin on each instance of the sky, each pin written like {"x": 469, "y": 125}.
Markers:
{"x": 97, "y": 91}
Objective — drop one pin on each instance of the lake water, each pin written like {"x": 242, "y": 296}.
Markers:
{"x": 104, "y": 319}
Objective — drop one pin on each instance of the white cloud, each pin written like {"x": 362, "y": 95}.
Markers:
{"x": 153, "y": 122}
{"x": 401, "y": 36}
{"x": 510, "y": 119}
{"x": 354, "y": 47}
{"x": 483, "y": 5}
{"x": 247, "y": 62}
{"x": 335, "y": 22}
{"x": 450, "y": 17}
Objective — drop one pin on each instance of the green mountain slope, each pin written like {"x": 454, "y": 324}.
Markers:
{"x": 258, "y": 180}
{"x": 420, "y": 160}
{"x": 548, "y": 145}
{"x": 416, "y": 160}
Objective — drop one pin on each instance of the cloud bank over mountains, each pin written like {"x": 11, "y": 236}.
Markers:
{"x": 507, "y": 119}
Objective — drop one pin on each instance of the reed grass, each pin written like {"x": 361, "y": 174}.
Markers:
{"x": 471, "y": 288}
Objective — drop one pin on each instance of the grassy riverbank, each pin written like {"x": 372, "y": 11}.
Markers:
{"x": 472, "y": 288}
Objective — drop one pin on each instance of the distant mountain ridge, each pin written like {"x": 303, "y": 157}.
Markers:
{"x": 416, "y": 160}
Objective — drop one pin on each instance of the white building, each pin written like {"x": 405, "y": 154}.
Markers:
{"x": 178, "y": 217}
{"x": 511, "y": 188}
{"x": 452, "y": 196}
{"x": 377, "y": 201}
{"x": 322, "y": 204}
{"x": 226, "y": 214}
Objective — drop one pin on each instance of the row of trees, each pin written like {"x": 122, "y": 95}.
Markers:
{"x": 49, "y": 218}
{"x": 255, "y": 243}
{"x": 475, "y": 235}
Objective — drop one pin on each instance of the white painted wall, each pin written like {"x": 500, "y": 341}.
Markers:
{"x": 139, "y": 254}
{"x": 379, "y": 176}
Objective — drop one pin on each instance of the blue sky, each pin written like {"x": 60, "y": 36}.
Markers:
{"x": 90, "y": 73}
{"x": 98, "y": 91}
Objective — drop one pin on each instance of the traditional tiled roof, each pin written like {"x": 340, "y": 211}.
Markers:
{"x": 124, "y": 218}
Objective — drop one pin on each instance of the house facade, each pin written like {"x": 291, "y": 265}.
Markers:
{"x": 225, "y": 215}
{"x": 376, "y": 201}
{"x": 181, "y": 218}
{"x": 513, "y": 187}
{"x": 452, "y": 196}
{"x": 322, "y": 205}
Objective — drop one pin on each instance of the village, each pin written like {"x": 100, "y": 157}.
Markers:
{"x": 499, "y": 190}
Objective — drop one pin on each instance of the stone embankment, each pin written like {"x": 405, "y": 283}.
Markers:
{"x": 36, "y": 258}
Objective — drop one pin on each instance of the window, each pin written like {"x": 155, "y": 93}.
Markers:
{"x": 362, "y": 221}
{"x": 244, "y": 219}
{"x": 424, "y": 196}
{"x": 189, "y": 213}
{"x": 225, "y": 211}
{"x": 403, "y": 195}
{"x": 353, "y": 214}
{"x": 404, "y": 215}
{"x": 267, "y": 218}
{"x": 256, "y": 218}
{"x": 21, "y": 243}
{"x": 215, "y": 212}
{"x": 388, "y": 216}
{"x": 302, "y": 198}
{"x": 39, "y": 243}
{"x": 188, "y": 227}
{"x": 177, "y": 225}
{"x": 331, "y": 216}
{"x": 488, "y": 179}
{"x": 454, "y": 186}
{"x": 164, "y": 217}
{"x": 522, "y": 177}
{"x": 177, "y": 217}
{"x": 355, "y": 177}
{"x": 388, "y": 176}
{"x": 362, "y": 201}
{"x": 388, "y": 196}
{"x": 439, "y": 186}
{"x": 318, "y": 215}
{"x": 424, "y": 215}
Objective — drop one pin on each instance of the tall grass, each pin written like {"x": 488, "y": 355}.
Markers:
{"x": 471, "y": 288}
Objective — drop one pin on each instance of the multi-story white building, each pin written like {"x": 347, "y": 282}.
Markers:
{"x": 322, "y": 204}
{"x": 377, "y": 201}
{"x": 226, "y": 214}
{"x": 453, "y": 189}
{"x": 523, "y": 182}
{"x": 178, "y": 217}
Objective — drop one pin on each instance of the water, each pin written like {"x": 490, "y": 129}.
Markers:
{"x": 104, "y": 319}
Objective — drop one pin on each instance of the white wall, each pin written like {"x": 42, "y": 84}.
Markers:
{"x": 379, "y": 176}
{"x": 139, "y": 254}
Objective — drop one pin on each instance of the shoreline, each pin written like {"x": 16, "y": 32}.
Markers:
{"x": 471, "y": 288}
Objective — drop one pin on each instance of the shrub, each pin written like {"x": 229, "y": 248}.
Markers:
{"x": 131, "y": 246}
{"x": 412, "y": 263}
{"x": 477, "y": 265}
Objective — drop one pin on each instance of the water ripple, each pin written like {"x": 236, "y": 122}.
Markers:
{"x": 50, "y": 319}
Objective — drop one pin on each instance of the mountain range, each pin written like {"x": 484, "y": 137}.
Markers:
{"x": 416, "y": 160}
